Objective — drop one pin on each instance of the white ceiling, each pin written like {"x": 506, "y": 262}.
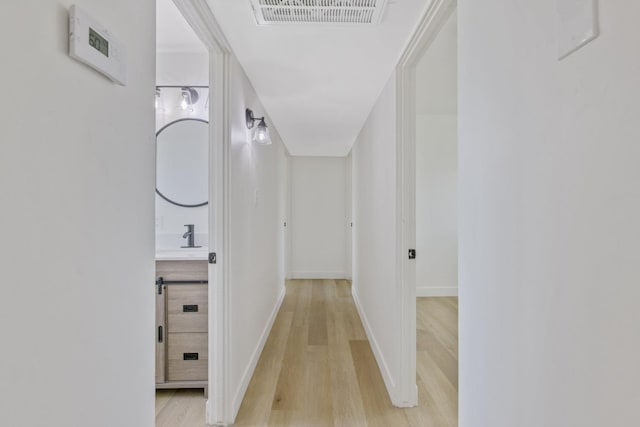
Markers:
{"x": 318, "y": 82}
{"x": 437, "y": 73}
{"x": 173, "y": 34}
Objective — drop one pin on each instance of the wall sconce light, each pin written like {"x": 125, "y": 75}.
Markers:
{"x": 159, "y": 102}
{"x": 261, "y": 133}
{"x": 188, "y": 97}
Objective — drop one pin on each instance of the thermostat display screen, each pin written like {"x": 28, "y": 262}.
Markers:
{"x": 98, "y": 42}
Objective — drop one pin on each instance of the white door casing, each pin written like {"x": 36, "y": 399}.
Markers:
{"x": 434, "y": 18}
{"x": 200, "y": 17}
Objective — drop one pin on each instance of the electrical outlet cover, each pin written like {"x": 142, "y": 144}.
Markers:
{"x": 577, "y": 25}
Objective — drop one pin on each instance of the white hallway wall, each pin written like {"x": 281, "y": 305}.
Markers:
{"x": 348, "y": 225}
{"x": 436, "y": 205}
{"x": 437, "y": 166}
{"x": 319, "y": 217}
{"x": 257, "y": 213}
{"x": 77, "y": 179}
{"x": 550, "y": 201}
{"x": 374, "y": 241}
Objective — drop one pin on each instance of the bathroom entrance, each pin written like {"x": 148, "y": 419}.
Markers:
{"x": 188, "y": 216}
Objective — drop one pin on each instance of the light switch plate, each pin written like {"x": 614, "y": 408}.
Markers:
{"x": 577, "y": 25}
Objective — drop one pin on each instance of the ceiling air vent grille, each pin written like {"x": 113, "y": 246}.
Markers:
{"x": 270, "y": 12}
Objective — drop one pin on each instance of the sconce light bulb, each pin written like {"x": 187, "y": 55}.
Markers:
{"x": 158, "y": 102}
{"x": 261, "y": 135}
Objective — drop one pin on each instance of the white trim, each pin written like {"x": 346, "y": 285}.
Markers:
{"x": 387, "y": 377}
{"x": 255, "y": 357}
{"x": 318, "y": 275}
{"x": 288, "y": 237}
{"x": 443, "y": 291}
{"x": 430, "y": 24}
{"x": 199, "y": 16}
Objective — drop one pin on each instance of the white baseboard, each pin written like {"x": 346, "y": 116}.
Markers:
{"x": 318, "y": 275}
{"x": 424, "y": 291}
{"x": 253, "y": 362}
{"x": 382, "y": 364}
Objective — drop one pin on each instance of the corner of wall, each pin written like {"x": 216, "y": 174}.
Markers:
{"x": 253, "y": 362}
{"x": 387, "y": 377}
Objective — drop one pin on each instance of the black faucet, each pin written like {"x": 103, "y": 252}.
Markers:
{"x": 190, "y": 236}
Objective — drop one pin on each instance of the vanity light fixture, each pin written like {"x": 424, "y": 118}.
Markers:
{"x": 159, "y": 103}
{"x": 188, "y": 97}
{"x": 261, "y": 133}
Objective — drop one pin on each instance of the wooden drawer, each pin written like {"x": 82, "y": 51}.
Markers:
{"x": 187, "y": 357}
{"x": 187, "y": 308}
{"x": 183, "y": 270}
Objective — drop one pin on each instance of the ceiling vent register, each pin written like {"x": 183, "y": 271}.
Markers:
{"x": 279, "y": 12}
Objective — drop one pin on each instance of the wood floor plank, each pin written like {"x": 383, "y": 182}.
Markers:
{"x": 441, "y": 313}
{"x": 262, "y": 388}
{"x": 317, "y": 405}
{"x": 432, "y": 316}
{"x": 427, "y": 413}
{"x": 379, "y": 411}
{"x": 291, "y": 297}
{"x": 317, "y": 368}
{"x": 442, "y": 357}
{"x": 303, "y": 301}
{"x": 343, "y": 289}
{"x": 348, "y": 409}
{"x": 318, "y": 314}
{"x": 291, "y": 379}
{"x": 162, "y": 399}
{"x": 353, "y": 324}
{"x": 438, "y": 387}
{"x": 185, "y": 408}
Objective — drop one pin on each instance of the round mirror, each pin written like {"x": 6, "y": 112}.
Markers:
{"x": 182, "y": 162}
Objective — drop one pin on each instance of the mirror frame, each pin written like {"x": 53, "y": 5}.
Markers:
{"x": 158, "y": 191}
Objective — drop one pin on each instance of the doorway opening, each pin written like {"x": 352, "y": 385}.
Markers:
{"x": 182, "y": 213}
{"x": 191, "y": 221}
{"x": 427, "y": 148}
{"x": 436, "y": 225}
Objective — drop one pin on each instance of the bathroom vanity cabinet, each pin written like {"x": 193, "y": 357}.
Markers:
{"x": 181, "y": 324}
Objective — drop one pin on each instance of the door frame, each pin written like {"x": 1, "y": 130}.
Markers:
{"x": 200, "y": 17}
{"x": 432, "y": 21}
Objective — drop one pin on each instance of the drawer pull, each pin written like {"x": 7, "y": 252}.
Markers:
{"x": 160, "y": 334}
{"x": 190, "y": 356}
{"x": 190, "y": 308}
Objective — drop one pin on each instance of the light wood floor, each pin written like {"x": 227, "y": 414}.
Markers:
{"x": 317, "y": 368}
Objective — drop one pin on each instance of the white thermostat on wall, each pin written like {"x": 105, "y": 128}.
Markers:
{"x": 93, "y": 45}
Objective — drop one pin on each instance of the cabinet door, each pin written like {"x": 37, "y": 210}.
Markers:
{"x": 161, "y": 334}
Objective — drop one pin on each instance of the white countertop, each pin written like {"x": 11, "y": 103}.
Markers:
{"x": 182, "y": 254}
